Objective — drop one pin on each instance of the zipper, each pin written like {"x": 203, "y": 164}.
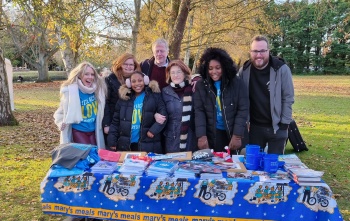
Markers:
{"x": 274, "y": 100}
{"x": 139, "y": 146}
{"x": 214, "y": 113}
{"x": 224, "y": 112}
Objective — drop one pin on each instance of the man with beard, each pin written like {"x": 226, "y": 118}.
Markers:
{"x": 271, "y": 93}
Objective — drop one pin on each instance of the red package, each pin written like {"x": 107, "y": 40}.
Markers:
{"x": 108, "y": 155}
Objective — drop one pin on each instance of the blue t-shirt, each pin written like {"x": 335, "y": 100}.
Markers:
{"x": 136, "y": 118}
{"x": 219, "y": 120}
{"x": 89, "y": 111}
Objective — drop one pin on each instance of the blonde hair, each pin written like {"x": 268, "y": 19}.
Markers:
{"x": 78, "y": 72}
{"x": 118, "y": 63}
{"x": 186, "y": 70}
{"x": 260, "y": 38}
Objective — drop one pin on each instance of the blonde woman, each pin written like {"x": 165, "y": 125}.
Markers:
{"x": 79, "y": 116}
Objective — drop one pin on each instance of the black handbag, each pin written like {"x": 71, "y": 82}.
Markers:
{"x": 295, "y": 138}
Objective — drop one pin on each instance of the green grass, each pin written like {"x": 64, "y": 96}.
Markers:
{"x": 31, "y": 76}
{"x": 38, "y": 99}
{"x": 321, "y": 110}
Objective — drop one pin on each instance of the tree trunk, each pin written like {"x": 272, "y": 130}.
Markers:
{"x": 68, "y": 55}
{"x": 188, "y": 52}
{"x": 68, "y": 59}
{"x": 178, "y": 31}
{"x": 43, "y": 68}
{"x": 6, "y": 116}
{"x": 135, "y": 29}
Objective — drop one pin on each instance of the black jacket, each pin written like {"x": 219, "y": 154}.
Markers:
{"x": 120, "y": 130}
{"x": 172, "y": 130}
{"x": 234, "y": 108}
{"x": 113, "y": 86}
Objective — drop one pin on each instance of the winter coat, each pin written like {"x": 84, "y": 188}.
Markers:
{"x": 147, "y": 65}
{"x": 173, "y": 126}
{"x": 281, "y": 91}
{"x": 120, "y": 130}
{"x": 234, "y": 106}
{"x": 113, "y": 86}
{"x": 69, "y": 112}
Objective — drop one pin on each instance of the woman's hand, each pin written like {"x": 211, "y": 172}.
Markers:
{"x": 235, "y": 143}
{"x": 160, "y": 119}
{"x": 203, "y": 143}
{"x": 113, "y": 148}
{"x": 106, "y": 130}
{"x": 63, "y": 126}
{"x": 149, "y": 134}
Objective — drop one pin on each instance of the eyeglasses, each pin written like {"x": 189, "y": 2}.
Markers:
{"x": 259, "y": 52}
{"x": 128, "y": 65}
{"x": 176, "y": 73}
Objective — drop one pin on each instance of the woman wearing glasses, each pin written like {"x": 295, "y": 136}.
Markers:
{"x": 122, "y": 69}
{"x": 177, "y": 96}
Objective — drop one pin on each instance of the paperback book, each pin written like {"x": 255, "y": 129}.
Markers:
{"x": 104, "y": 167}
{"x": 133, "y": 166}
{"x": 299, "y": 172}
{"x": 162, "y": 168}
{"x": 278, "y": 177}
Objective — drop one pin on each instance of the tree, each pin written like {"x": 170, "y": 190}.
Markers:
{"x": 211, "y": 23}
{"x": 6, "y": 116}
{"x": 32, "y": 33}
{"x": 179, "y": 28}
{"x": 312, "y": 35}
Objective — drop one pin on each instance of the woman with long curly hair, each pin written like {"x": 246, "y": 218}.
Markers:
{"x": 220, "y": 102}
{"x": 79, "y": 116}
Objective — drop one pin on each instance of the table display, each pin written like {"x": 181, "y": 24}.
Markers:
{"x": 130, "y": 197}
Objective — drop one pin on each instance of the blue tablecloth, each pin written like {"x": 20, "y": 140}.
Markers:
{"x": 124, "y": 197}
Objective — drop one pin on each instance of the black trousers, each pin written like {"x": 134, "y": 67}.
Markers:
{"x": 263, "y": 136}
{"x": 222, "y": 140}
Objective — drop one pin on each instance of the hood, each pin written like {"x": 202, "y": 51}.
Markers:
{"x": 275, "y": 63}
{"x": 125, "y": 93}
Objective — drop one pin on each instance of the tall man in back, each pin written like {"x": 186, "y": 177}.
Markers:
{"x": 271, "y": 94}
{"x": 156, "y": 65}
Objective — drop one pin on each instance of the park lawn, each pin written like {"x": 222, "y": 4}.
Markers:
{"x": 321, "y": 110}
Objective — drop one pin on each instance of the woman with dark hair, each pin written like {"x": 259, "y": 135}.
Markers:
{"x": 133, "y": 127}
{"x": 122, "y": 68}
{"x": 177, "y": 96}
{"x": 220, "y": 102}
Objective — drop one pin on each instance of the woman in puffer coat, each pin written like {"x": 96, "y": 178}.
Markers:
{"x": 220, "y": 102}
{"x": 133, "y": 126}
{"x": 177, "y": 96}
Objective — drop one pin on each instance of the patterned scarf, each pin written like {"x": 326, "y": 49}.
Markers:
{"x": 186, "y": 111}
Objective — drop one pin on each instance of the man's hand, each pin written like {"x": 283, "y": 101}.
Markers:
{"x": 106, "y": 130}
{"x": 113, "y": 148}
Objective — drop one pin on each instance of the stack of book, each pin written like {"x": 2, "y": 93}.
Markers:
{"x": 306, "y": 176}
{"x": 104, "y": 167}
{"x": 162, "y": 168}
{"x": 187, "y": 170}
{"x": 290, "y": 159}
{"x": 278, "y": 177}
{"x": 133, "y": 166}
